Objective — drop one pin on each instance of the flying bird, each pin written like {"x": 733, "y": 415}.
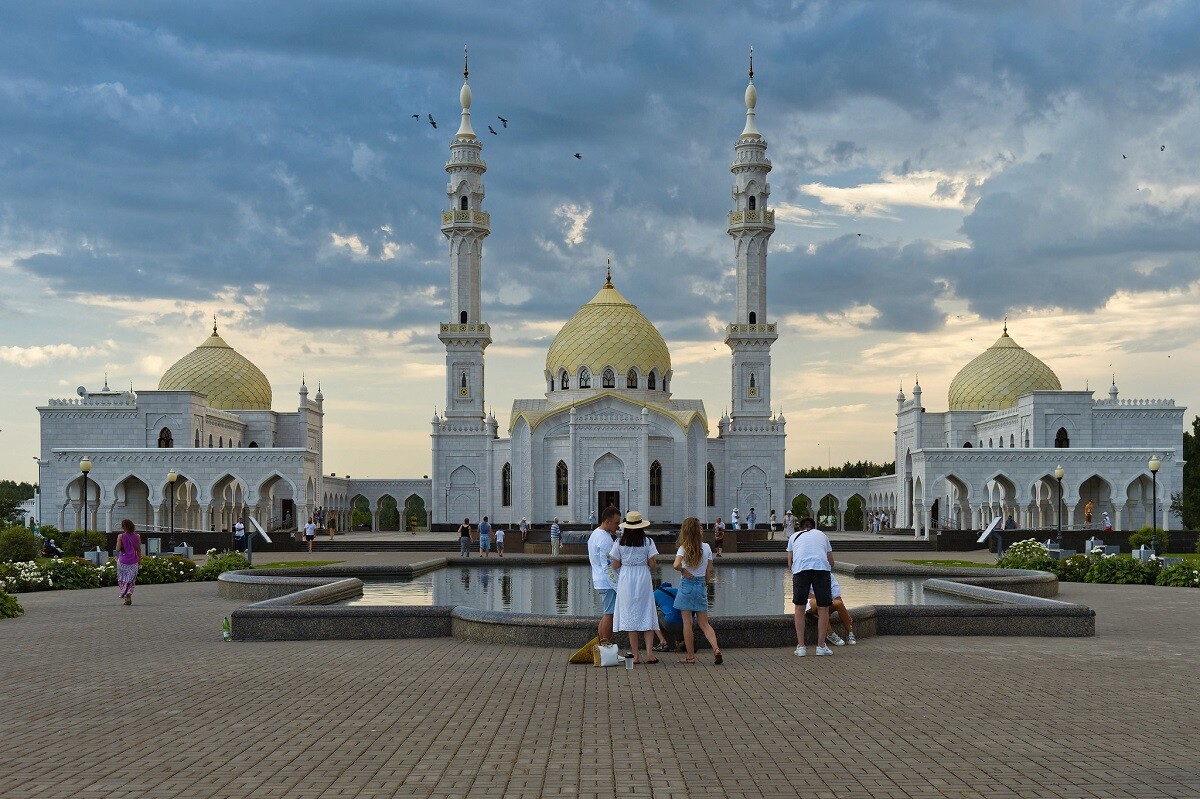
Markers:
{"x": 431, "y": 122}
{"x": 416, "y": 116}
{"x": 1162, "y": 148}
{"x": 1123, "y": 156}
{"x": 492, "y": 130}
{"x": 580, "y": 157}
{"x": 503, "y": 121}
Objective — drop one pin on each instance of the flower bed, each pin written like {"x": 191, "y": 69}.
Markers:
{"x": 1096, "y": 567}
{"x": 68, "y": 573}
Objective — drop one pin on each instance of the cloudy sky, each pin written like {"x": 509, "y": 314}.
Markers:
{"x": 938, "y": 166}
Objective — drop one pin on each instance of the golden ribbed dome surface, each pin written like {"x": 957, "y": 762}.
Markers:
{"x": 229, "y": 380}
{"x": 997, "y": 376}
{"x": 609, "y": 331}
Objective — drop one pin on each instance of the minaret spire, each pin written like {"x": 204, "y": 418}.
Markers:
{"x": 608, "y": 275}
{"x": 751, "y": 129}
{"x": 464, "y": 98}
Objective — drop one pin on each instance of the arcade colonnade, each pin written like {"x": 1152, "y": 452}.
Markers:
{"x": 210, "y": 491}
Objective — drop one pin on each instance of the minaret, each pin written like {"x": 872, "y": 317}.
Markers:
{"x": 751, "y": 224}
{"x": 466, "y": 225}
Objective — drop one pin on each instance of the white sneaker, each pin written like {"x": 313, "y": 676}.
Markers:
{"x": 850, "y": 639}
{"x": 800, "y": 652}
{"x": 835, "y": 639}
{"x": 824, "y": 650}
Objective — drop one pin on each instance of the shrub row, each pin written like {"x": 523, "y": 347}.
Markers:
{"x": 69, "y": 573}
{"x": 1096, "y": 567}
{"x": 10, "y": 608}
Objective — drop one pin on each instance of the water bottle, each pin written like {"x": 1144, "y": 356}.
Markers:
{"x": 628, "y": 661}
{"x": 226, "y": 630}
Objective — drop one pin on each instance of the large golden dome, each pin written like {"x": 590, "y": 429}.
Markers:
{"x": 225, "y": 376}
{"x": 996, "y": 377}
{"x": 609, "y": 331}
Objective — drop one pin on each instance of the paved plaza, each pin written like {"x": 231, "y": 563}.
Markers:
{"x": 101, "y": 700}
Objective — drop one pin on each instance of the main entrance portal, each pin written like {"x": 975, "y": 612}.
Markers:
{"x": 606, "y": 498}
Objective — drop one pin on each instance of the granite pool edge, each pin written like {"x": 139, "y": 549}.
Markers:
{"x": 292, "y": 604}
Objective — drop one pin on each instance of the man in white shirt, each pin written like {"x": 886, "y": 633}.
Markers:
{"x": 734, "y": 523}
{"x": 239, "y": 536}
{"x": 604, "y": 580}
{"x": 810, "y": 560}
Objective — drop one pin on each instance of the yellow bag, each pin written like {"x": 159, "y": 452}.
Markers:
{"x": 584, "y": 653}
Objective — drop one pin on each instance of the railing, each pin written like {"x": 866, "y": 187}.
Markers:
{"x": 740, "y": 217}
{"x": 470, "y": 217}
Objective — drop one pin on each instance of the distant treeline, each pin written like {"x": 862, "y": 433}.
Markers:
{"x": 847, "y": 469}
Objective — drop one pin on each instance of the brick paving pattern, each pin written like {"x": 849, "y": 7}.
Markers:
{"x": 101, "y": 700}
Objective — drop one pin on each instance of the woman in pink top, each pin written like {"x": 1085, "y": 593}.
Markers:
{"x": 129, "y": 555}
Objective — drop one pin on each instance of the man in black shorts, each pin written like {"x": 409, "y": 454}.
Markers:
{"x": 810, "y": 559}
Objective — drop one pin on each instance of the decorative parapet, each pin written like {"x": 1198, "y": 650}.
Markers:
{"x": 478, "y": 328}
{"x": 1135, "y": 403}
{"x": 124, "y": 400}
{"x": 995, "y": 415}
{"x": 478, "y": 218}
{"x": 751, "y": 217}
{"x": 767, "y": 328}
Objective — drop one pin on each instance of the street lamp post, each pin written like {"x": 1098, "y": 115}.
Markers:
{"x": 85, "y": 466}
{"x": 1155, "y": 463}
{"x": 1059, "y": 473}
{"x": 171, "y": 478}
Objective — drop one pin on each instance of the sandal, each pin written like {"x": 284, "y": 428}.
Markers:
{"x": 652, "y": 660}
{"x": 717, "y": 659}
{"x": 662, "y": 648}
{"x": 688, "y": 661}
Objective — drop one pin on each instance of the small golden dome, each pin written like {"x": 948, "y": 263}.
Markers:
{"x": 997, "y": 376}
{"x": 222, "y": 374}
{"x": 609, "y": 331}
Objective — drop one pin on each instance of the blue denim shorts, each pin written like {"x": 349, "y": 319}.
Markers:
{"x": 609, "y": 597}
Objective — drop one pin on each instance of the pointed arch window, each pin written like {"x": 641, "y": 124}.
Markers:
{"x": 631, "y": 379}
{"x": 1026, "y": 439}
{"x": 462, "y": 317}
{"x": 753, "y": 318}
{"x": 197, "y": 439}
{"x": 561, "y": 493}
{"x": 1012, "y": 442}
{"x": 651, "y": 381}
{"x": 991, "y": 443}
{"x": 968, "y": 445}
{"x": 752, "y": 380}
{"x": 1061, "y": 439}
{"x": 210, "y": 440}
{"x": 753, "y": 203}
{"x": 165, "y": 441}
{"x": 609, "y": 379}
{"x": 564, "y": 381}
{"x": 585, "y": 378}
{"x": 221, "y": 442}
{"x": 462, "y": 203}
{"x": 253, "y": 445}
{"x": 656, "y": 484}
{"x": 506, "y": 485}
{"x": 710, "y": 486}
{"x": 1001, "y": 442}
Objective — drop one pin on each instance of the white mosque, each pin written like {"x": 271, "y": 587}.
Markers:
{"x": 206, "y": 446}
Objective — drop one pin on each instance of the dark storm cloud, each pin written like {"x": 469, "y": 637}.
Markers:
{"x": 174, "y": 151}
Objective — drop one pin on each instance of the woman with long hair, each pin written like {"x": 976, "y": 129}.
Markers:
{"x": 694, "y": 561}
{"x": 632, "y": 555}
{"x": 129, "y": 555}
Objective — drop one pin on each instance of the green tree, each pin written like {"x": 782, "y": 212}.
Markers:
{"x": 848, "y": 469}
{"x": 800, "y": 507}
{"x": 389, "y": 516}
{"x": 12, "y": 494}
{"x": 1185, "y": 503}
{"x": 360, "y": 514}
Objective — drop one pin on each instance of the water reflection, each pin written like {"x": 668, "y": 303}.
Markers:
{"x": 567, "y": 590}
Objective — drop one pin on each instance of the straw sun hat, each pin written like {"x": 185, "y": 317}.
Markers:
{"x": 634, "y": 520}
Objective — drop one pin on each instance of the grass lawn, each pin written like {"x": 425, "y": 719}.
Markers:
{"x": 964, "y": 563}
{"x": 1191, "y": 556}
{"x": 294, "y": 564}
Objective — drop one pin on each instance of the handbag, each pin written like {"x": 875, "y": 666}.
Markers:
{"x": 604, "y": 654}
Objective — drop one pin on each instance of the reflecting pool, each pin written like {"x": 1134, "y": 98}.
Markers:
{"x": 567, "y": 590}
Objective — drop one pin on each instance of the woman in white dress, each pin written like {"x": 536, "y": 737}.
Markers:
{"x": 632, "y": 555}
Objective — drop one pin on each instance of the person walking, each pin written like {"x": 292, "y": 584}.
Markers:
{"x": 485, "y": 538}
{"x": 129, "y": 556}
{"x": 633, "y": 556}
{"x": 810, "y": 560}
{"x": 500, "y": 541}
{"x": 555, "y": 537}
{"x": 310, "y": 533}
{"x": 239, "y": 536}
{"x": 694, "y": 560}
{"x": 464, "y": 539}
{"x": 771, "y": 522}
{"x": 604, "y": 578}
{"x": 789, "y": 524}
{"x": 751, "y": 519}
{"x": 719, "y": 536}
